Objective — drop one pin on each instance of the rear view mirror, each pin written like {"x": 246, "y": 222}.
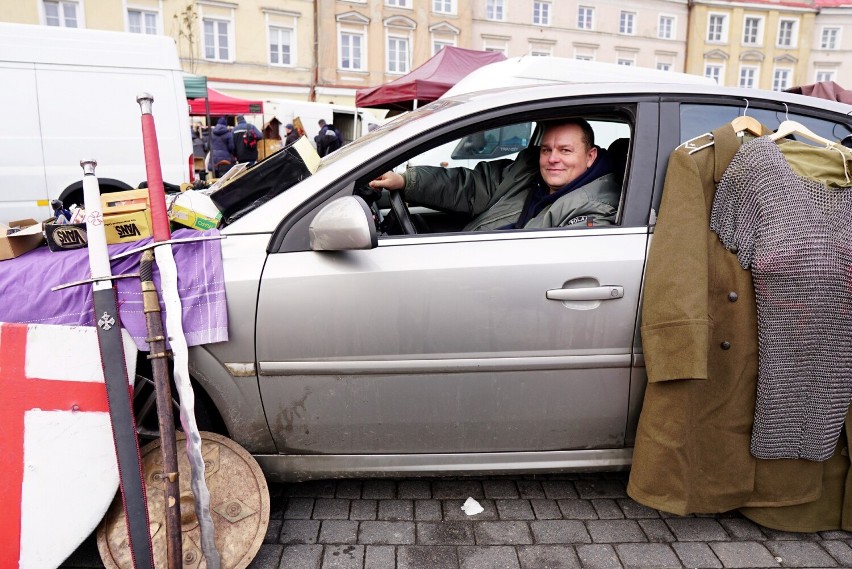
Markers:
{"x": 345, "y": 224}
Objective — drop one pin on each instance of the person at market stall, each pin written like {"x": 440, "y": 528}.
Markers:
{"x": 567, "y": 181}
{"x": 292, "y": 135}
{"x": 221, "y": 149}
{"x": 246, "y": 139}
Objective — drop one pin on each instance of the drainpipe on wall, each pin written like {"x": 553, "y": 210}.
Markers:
{"x": 312, "y": 93}
{"x": 689, "y": 5}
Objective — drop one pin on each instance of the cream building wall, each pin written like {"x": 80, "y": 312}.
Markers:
{"x": 764, "y": 63}
{"x": 586, "y": 29}
{"x": 831, "y": 46}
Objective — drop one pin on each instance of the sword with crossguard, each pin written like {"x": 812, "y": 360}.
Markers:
{"x": 119, "y": 400}
{"x": 174, "y": 327}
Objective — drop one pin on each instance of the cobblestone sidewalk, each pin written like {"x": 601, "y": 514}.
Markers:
{"x": 549, "y": 522}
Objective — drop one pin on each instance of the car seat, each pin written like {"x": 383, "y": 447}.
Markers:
{"x": 617, "y": 151}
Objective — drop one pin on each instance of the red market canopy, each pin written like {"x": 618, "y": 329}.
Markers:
{"x": 222, "y": 104}
{"x": 427, "y": 82}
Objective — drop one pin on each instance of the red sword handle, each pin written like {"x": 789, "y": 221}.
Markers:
{"x": 156, "y": 192}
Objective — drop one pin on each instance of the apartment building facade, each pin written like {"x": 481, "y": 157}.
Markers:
{"x": 324, "y": 50}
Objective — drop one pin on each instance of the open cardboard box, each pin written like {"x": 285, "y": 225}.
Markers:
{"x": 28, "y": 236}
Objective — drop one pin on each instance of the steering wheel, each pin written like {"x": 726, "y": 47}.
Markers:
{"x": 400, "y": 210}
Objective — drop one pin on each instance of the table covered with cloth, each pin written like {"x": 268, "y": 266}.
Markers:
{"x": 26, "y": 282}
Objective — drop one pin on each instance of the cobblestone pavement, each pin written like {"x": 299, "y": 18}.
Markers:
{"x": 542, "y": 522}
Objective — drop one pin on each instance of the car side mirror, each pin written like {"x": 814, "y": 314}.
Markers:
{"x": 345, "y": 224}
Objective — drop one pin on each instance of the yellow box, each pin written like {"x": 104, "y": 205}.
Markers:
{"x": 126, "y": 227}
{"x": 125, "y": 202}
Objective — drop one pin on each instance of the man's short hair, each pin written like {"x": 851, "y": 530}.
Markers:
{"x": 588, "y": 133}
{"x": 322, "y": 122}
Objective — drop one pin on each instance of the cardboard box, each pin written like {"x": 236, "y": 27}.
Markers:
{"x": 28, "y": 236}
{"x": 125, "y": 202}
{"x": 65, "y": 237}
{"x": 126, "y": 227}
{"x": 194, "y": 209}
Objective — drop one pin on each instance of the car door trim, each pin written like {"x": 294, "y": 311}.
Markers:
{"x": 450, "y": 365}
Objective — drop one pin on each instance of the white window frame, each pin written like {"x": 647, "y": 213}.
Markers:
{"x": 539, "y": 50}
{"x": 825, "y": 75}
{"x": 782, "y": 72}
{"x": 398, "y": 3}
{"x": 495, "y": 10}
{"x": 438, "y": 44}
{"x": 490, "y": 44}
{"x": 542, "y": 10}
{"x": 445, "y": 6}
{"x": 829, "y": 37}
{"x": 666, "y": 27}
{"x": 217, "y": 21}
{"x": 664, "y": 66}
{"x": 715, "y": 71}
{"x": 143, "y": 17}
{"x": 723, "y": 28}
{"x": 585, "y": 17}
{"x": 403, "y": 63}
{"x": 758, "y": 31}
{"x": 62, "y": 20}
{"x": 750, "y": 71}
{"x": 782, "y": 33}
{"x": 627, "y": 23}
{"x": 273, "y": 30}
{"x": 584, "y": 57}
{"x": 361, "y": 57}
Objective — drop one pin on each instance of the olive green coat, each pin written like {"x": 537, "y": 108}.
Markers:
{"x": 699, "y": 336}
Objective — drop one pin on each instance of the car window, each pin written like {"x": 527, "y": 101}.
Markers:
{"x": 498, "y": 144}
{"x": 697, "y": 119}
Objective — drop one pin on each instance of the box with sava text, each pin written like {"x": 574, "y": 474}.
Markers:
{"x": 126, "y": 227}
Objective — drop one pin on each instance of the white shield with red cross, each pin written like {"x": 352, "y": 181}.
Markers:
{"x": 56, "y": 441}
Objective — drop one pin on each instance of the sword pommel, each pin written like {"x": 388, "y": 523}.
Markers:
{"x": 88, "y": 166}
{"x": 146, "y": 101}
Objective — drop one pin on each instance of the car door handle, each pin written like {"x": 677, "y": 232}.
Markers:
{"x": 608, "y": 292}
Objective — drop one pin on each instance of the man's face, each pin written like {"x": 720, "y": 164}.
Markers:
{"x": 563, "y": 155}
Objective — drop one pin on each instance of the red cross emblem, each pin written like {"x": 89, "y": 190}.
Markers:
{"x": 18, "y": 395}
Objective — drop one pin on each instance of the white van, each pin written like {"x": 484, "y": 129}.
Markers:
{"x": 70, "y": 95}
{"x": 351, "y": 122}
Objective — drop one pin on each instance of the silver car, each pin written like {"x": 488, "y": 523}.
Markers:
{"x": 360, "y": 348}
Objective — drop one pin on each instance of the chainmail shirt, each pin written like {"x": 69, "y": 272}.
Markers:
{"x": 795, "y": 235}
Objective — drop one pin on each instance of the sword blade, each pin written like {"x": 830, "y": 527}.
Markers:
{"x": 107, "y": 322}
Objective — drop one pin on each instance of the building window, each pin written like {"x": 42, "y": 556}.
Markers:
{"x": 62, "y": 14}
{"x": 494, "y": 10}
{"x": 829, "y": 38}
{"x": 625, "y": 61}
{"x": 748, "y": 77}
{"x": 541, "y": 13}
{"x": 781, "y": 79}
{"x": 717, "y": 28}
{"x": 787, "y": 31}
{"x": 351, "y": 54}
{"x": 438, "y": 45}
{"x": 280, "y": 46}
{"x": 585, "y": 17}
{"x": 216, "y": 40}
{"x": 399, "y": 3}
{"x": 444, "y": 6}
{"x": 664, "y": 66}
{"x": 142, "y": 22}
{"x": 713, "y": 71}
{"x": 823, "y": 75}
{"x": 397, "y": 55}
{"x": 540, "y": 51}
{"x": 584, "y": 57}
{"x": 626, "y": 22}
{"x": 495, "y": 45}
{"x": 666, "y": 27}
{"x": 752, "y": 33}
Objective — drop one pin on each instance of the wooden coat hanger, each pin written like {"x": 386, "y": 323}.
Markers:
{"x": 745, "y": 123}
{"x": 789, "y": 127}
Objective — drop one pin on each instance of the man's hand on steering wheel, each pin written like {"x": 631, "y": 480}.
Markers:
{"x": 395, "y": 182}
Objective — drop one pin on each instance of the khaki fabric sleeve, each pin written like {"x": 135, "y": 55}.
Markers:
{"x": 675, "y": 323}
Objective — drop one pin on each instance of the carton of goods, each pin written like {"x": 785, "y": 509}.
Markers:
{"x": 19, "y": 237}
{"x": 65, "y": 236}
{"x": 126, "y": 227}
{"x": 194, "y": 209}
{"x": 125, "y": 202}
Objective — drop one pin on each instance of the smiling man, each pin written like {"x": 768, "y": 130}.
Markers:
{"x": 567, "y": 181}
